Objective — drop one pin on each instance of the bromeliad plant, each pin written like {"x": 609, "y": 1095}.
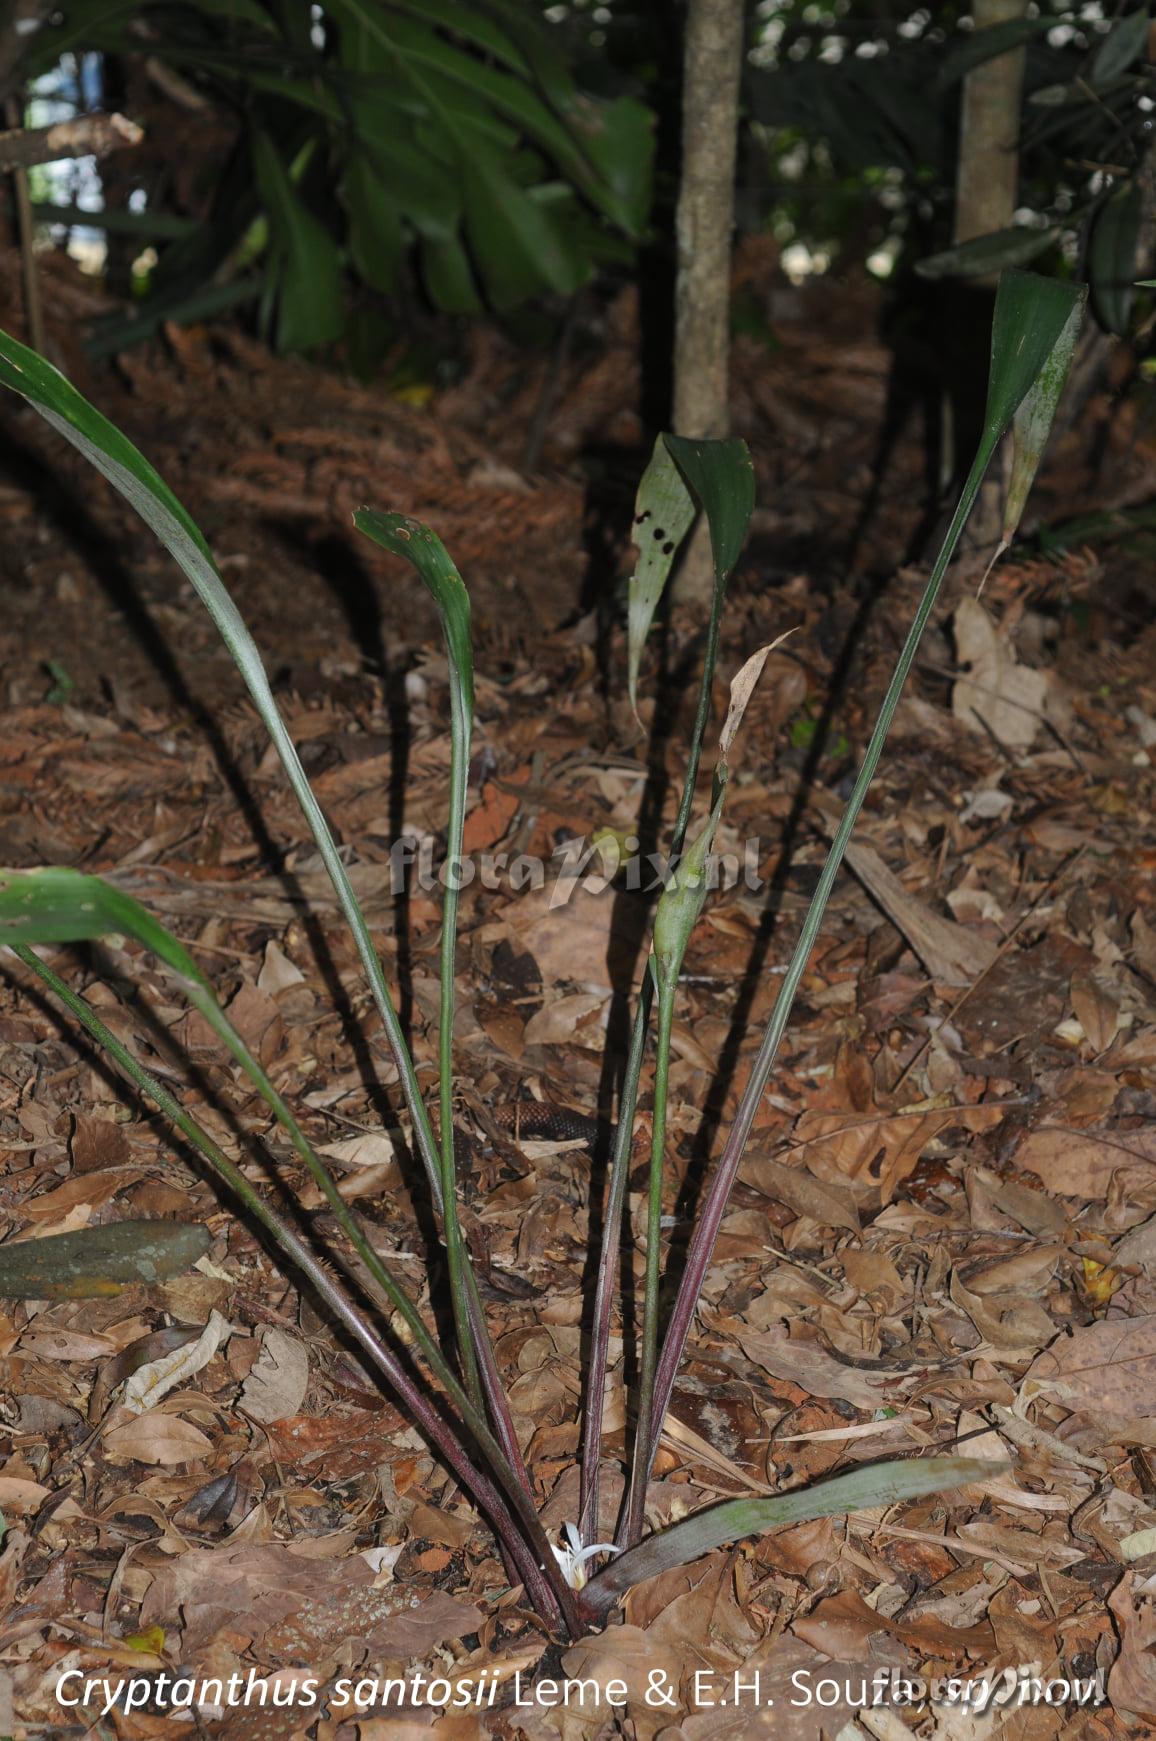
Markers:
{"x": 470, "y": 1423}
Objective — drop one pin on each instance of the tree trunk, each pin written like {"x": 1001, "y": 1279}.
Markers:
{"x": 989, "y": 128}
{"x": 986, "y": 189}
{"x": 712, "y": 66}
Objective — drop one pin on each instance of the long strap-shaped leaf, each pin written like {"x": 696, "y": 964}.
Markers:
{"x": 718, "y": 475}
{"x": 1031, "y": 314}
{"x": 862, "y": 1489}
{"x": 535, "y": 1566}
{"x": 103, "y": 445}
{"x": 118, "y": 460}
{"x": 419, "y": 545}
{"x": 675, "y": 918}
{"x": 62, "y": 906}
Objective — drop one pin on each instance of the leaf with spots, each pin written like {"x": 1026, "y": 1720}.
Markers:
{"x": 682, "y": 476}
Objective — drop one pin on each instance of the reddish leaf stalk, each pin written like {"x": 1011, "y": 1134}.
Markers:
{"x": 527, "y": 1545}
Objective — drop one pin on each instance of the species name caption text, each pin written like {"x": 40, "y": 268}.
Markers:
{"x": 1002, "y": 1689}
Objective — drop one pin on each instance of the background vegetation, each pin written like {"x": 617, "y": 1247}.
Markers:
{"x": 344, "y": 171}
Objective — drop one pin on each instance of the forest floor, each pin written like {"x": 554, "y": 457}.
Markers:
{"x": 944, "y": 1232}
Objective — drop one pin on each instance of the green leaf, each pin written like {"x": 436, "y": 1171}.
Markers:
{"x": 718, "y": 475}
{"x": 1123, "y": 43}
{"x": 118, "y": 460}
{"x": 735, "y": 1519}
{"x": 1032, "y": 423}
{"x": 420, "y": 546}
{"x": 449, "y": 277}
{"x": 722, "y": 476}
{"x": 663, "y": 512}
{"x": 1030, "y": 315}
{"x": 530, "y": 1555}
{"x": 112, "y": 336}
{"x": 517, "y": 244}
{"x": 619, "y": 139}
{"x": 117, "y": 220}
{"x": 423, "y": 58}
{"x": 1112, "y": 257}
{"x": 681, "y": 902}
{"x": 97, "y": 1262}
{"x": 424, "y": 550}
{"x": 472, "y": 24}
{"x": 984, "y": 255}
{"x": 308, "y": 293}
{"x": 376, "y": 244}
{"x": 57, "y": 905}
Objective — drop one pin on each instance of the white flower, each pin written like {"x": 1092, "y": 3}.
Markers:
{"x": 573, "y": 1557}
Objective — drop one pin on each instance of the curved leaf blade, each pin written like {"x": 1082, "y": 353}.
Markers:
{"x": 309, "y": 309}
{"x": 115, "y": 457}
{"x": 720, "y": 476}
{"x": 1031, "y": 312}
{"x": 1112, "y": 258}
{"x": 58, "y": 905}
{"x": 423, "y": 549}
{"x": 987, "y": 254}
{"x": 735, "y": 1519}
{"x": 663, "y": 513}
{"x": 1032, "y": 423}
{"x": 1120, "y": 48}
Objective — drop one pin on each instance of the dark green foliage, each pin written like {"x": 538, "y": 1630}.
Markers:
{"x": 873, "y": 94}
{"x": 443, "y": 140}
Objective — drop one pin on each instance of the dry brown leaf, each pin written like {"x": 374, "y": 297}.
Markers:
{"x": 257, "y": 1018}
{"x": 953, "y": 954}
{"x": 85, "y": 1190}
{"x": 571, "y": 938}
{"x": 999, "y": 694}
{"x": 57, "y": 1342}
{"x": 1138, "y": 1246}
{"x": 570, "y": 1021}
{"x": 630, "y": 1656}
{"x": 800, "y": 1191}
{"x": 97, "y": 1144}
{"x": 1105, "y": 1368}
{"x": 157, "y": 1437}
{"x": 785, "y": 1712}
{"x": 276, "y": 1385}
{"x": 1031, "y": 1270}
{"x": 504, "y": 1026}
{"x": 1080, "y": 1163}
{"x": 797, "y": 1354}
{"x": 317, "y": 1602}
{"x": 1016, "y": 1326}
{"x": 1132, "y": 1677}
{"x": 19, "y": 1496}
{"x": 389, "y": 1622}
{"x": 843, "y": 1626}
{"x": 873, "y": 1272}
{"x": 278, "y": 973}
{"x": 876, "y": 1151}
{"x": 151, "y": 1383}
{"x": 1096, "y": 1011}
